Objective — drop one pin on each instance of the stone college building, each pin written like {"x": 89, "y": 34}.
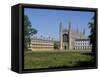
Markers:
{"x": 68, "y": 40}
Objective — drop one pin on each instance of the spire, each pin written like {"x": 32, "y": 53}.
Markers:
{"x": 60, "y": 34}
{"x": 60, "y": 26}
{"x": 69, "y": 25}
{"x": 69, "y": 44}
{"x": 77, "y": 30}
{"x": 84, "y": 31}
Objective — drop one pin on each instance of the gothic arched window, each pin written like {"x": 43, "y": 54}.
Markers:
{"x": 65, "y": 38}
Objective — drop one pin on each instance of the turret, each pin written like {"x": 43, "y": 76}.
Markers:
{"x": 69, "y": 25}
{"x": 77, "y": 30}
{"x": 69, "y": 35}
{"x": 84, "y": 31}
{"x": 60, "y": 34}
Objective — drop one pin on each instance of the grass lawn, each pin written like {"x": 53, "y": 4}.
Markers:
{"x": 38, "y": 60}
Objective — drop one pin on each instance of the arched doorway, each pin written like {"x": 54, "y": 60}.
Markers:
{"x": 65, "y": 47}
{"x": 65, "y": 41}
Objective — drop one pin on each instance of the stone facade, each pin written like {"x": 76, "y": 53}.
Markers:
{"x": 69, "y": 38}
{"x": 41, "y": 44}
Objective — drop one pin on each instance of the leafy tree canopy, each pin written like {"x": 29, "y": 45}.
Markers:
{"x": 28, "y": 31}
{"x": 92, "y": 35}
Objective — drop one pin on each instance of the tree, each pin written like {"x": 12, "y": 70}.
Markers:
{"x": 28, "y": 32}
{"x": 92, "y": 35}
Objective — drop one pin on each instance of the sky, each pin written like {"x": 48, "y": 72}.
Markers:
{"x": 46, "y": 21}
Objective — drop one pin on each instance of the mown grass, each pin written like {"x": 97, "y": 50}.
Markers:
{"x": 38, "y": 60}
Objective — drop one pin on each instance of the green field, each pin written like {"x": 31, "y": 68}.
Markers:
{"x": 36, "y": 60}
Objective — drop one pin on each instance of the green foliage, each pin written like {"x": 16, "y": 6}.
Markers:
{"x": 92, "y": 35}
{"x": 28, "y": 32}
{"x": 56, "y": 45}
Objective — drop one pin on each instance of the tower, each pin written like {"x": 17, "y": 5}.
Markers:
{"x": 84, "y": 31}
{"x": 60, "y": 35}
{"x": 77, "y": 30}
{"x": 69, "y": 32}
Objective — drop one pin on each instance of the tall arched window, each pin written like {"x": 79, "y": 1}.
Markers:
{"x": 65, "y": 37}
